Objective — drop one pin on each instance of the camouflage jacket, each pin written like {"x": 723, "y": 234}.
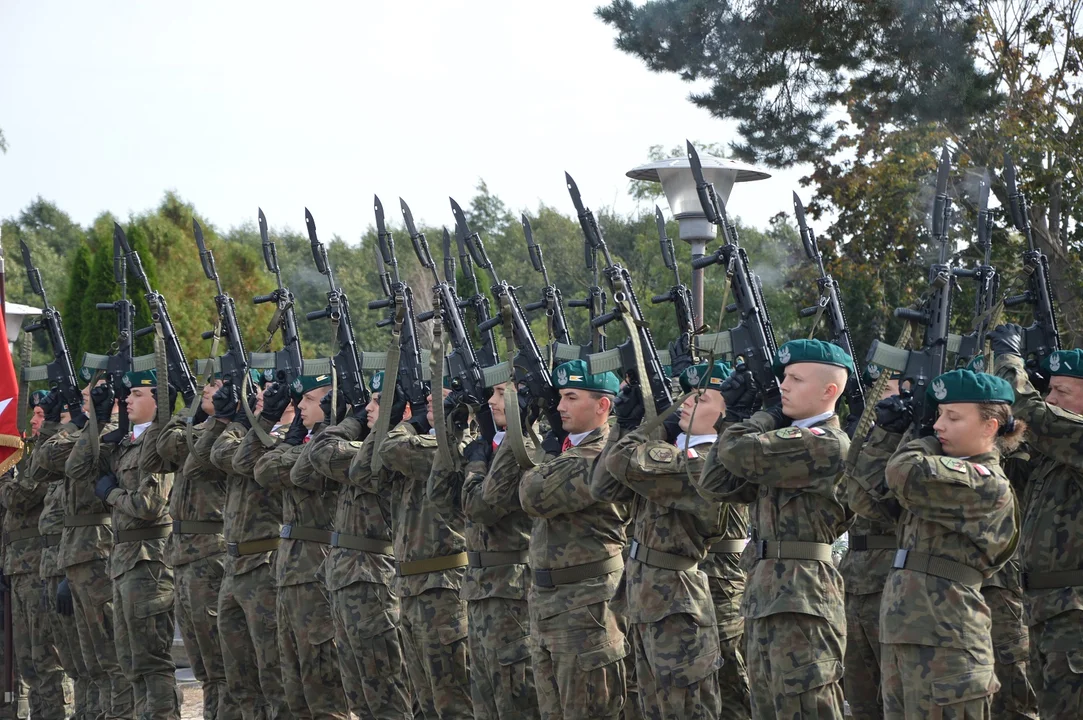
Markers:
{"x": 252, "y": 512}
{"x": 495, "y": 522}
{"x": 22, "y": 498}
{"x": 791, "y": 478}
{"x": 1051, "y": 536}
{"x": 571, "y": 527}
{"x": 668, "y": 516}
{"x": 81, "y": 471}
{"x": 140, "y": 500}
{"x": 724, "y": 572}
{"x": 362, "y": 511}
{"x": 51, "y": 520}
{"x": 866, "y": 571}
{"x": 199, "y": 489}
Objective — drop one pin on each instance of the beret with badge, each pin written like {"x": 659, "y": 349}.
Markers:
{"x": 811, "y": 351}
{"x": 141, "y": 378}
{"x": 573, "y": 374}
{"x": 305, "y": 383}
{"x": 1067, "y": 363}
{"x": 696, "y": 376}
{"x": 967, "y": 386}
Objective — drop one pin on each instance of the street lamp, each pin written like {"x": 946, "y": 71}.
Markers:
{"x": 13, "y": 319}
{"x": 680, "y": 189}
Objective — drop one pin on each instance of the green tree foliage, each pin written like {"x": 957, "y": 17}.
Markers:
{"x": 77, "y": 286}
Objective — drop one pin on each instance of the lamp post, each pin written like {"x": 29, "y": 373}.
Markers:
{"x": 680, "y": 189}
{"x": 13, "y": 319}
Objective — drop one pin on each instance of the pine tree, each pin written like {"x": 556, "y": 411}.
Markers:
{"x": 78, "y": 280}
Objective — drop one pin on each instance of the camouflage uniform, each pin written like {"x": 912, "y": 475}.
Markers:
{"x": 306, "y": 631}
{"x": 142, "y": 581}
{"x": 957, "y": 524}
{"x": 430, "y": 554}
{"x": 247, "y": 627}
{"x": 84, "y": 555}
{"x": 793, "y": 603}
{"x": 1050, "y": 543}
{"x": 576, "y": 546}
{"x": 358, "y": 574}
{"x": 495, "y": 589}
{"x": 670, "y": 610}
{"x": 196, "y": 549}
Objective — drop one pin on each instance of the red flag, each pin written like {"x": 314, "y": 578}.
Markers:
{"x": 11, "y": 441}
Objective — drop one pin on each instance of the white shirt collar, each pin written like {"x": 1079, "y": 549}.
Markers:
{"x": 694, "y": 440}
{"x": 139, "y": 429}
{"x": 809, "y": 422}
{"x": 499, "y": 437}
{"x": 577, "y": 438}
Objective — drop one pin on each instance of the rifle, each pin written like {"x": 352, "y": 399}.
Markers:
{"x": 920, "y": 367}
{"x": 753, "y": 339}
{"x": 681, "y": 297}
{"x": 551, "y": 300}
{"x": 449, "y": 264}
{"x": 595, "y": 299}
{"x": 830, "y": 306}
{"x": 180, "y": 374}
{"x": 638, "y": 354}
{"x": 234, "y": 362}
{"x": 1043, "y": 336}
{"x": 346, "y": 363}
{"x": 985, "y": 275}
{"x": 287, "y": 362}
{"x": 61, "y": 371}
{"x": 487, "y": 353}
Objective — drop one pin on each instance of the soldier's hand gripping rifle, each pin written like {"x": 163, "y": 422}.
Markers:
{"x": 233, "y": 364}
{"x": 551, "y": 301}
{"x": 478, "y": 302}
{"x": 831, "y": 308}
{"x": 638, "y": 355}
{"x": 681, "y": 352}
{"x": 972, "y": 345}
{"x": 1042, "y": 336}
{"x": 753, "y": 338}
{"x": 61, "y": 371}
{"x": 287, "y": 362}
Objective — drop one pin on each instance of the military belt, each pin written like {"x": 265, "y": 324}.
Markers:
{"x": 251, "y": 547}
{"x": 1051, "y": 580}
{"x": 196, "y": 527}
{"x": 51, "y": 540}
{"x": 479, "y": 559}
{"x": 575, "y": 573}
{"x": 296, "y": 532}
{"x": 140, "y": 534}
{"x": 873, "y": 542}
{"x": 657, "y": 558}
{"x": 364, "y": 544}
{"x": 792, "y": 550}
{"x": 433, "y": 564}
{"x": 728, "y": 546}
{"x": 88, "y": 520}
{"x": 937, "y": 566}
{"x": 24, "y": 534}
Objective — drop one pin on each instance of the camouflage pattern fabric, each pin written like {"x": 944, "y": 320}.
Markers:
{"x": 37, "y": 661}
{"x": 733, "y": 680}
{"x": 926, "y": 682}
{"x": 197, "y": 586}
{"x": 861, "y": 677}
{"x": 62, "y": 634}
{"x": 437, "y": 653}
{"x": 801, "y": 655}
{"x": 726, "y": 579}
{"x": 19, "y": 708}
{"x": 1056, "y": 665}
{"x": 1011, "y": 650}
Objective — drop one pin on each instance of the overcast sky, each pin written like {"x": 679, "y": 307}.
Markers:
{"x": 105, "y": 106}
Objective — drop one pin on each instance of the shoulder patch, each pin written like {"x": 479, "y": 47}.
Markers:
{"x": 817, "y": 431}
{"x": 953, "y": 464}
{"x": 788, "y": 433}
{"x": 982, "y": 470}
{"x": 661, "y": 453}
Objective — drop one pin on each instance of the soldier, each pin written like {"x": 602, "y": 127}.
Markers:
{"x": 670, "y": 609}
{"x": 786, "y": 460}
{"x": 359, "y": 569}
{"x": 247, "y": 626}
{"x": 1052, "y": 501}
{"x": 576, "y": 545}
{"x": 306, "y": 631}
{"x": 138, "y": 492}
{"x": 497, "y": 580}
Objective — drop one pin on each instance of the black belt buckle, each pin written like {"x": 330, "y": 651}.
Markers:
{"x": 177, "y": 526}
{"x": 543, "y": 578}
{"x": 1024, "y": 580}
{"x": 233, "y": 550}
{"x": 761, "y": 549}
{"x": 859, "y": 542}
{"x": 473, "y": 559}
{"x": 900, "y": 558}
{"x": 633, "y": 549}
{"x": 334, "y": 538}
{"x": 286, "y": 531}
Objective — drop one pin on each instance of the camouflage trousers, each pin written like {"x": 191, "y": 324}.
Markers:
{"x": 925, "y": 682}
{"x": 370, "y": 653}
{"x": 248, "y": 631}
{"x": 437, "y": 655}
{"x": 143, "y": 634}
{"x": 1056, "y": 665}
{"x": 1011, "y": 648}
{"x": 861, "y": 678}
{"x": 795, "y": 666}
{"x": 35, "y": 657}
{"x": 64, "y": 636}
{"x": 579, "y": 664}
{"x": 20, "y": 709}
{"x": 196, "y": 606}
{"x": 677, "y": 661}
{"x": 306, "y": 647}
{"x": 92, "y": 594}
{"x": 501, "y": 675}
{"x": 733, "y": 680}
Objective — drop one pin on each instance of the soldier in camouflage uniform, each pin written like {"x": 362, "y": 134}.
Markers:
{"x": 497, "y": 580}
{"x": 1050, "y": 546}
{"x": 247, "y": 627}
{"x": 359, "y": 570}
{"x": 137, "y": 490}
{"x": 427, "y": 523}
{"x": 306, "y": 630}
{"x": 670, "y": 608}
{"x": 786, "y": 461}
{"x": 576, "y": 545}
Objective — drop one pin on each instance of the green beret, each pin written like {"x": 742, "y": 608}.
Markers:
{"x": 1064, "y": 362}
{"x": 811, "y": 351}
{"x": 872, "y": 373}
{"x": 37, "y": 396}
{"x": 573, "y": 374}
{"x": 141, "y": 378}
{"x": 693, "y": 376}
{"x": 966, "y": 386}
{"x": 977, "y": 364}
{"x": 376, "y": 383}
{"x": 305, "y": 383}
{"x": 260, "y": 377}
